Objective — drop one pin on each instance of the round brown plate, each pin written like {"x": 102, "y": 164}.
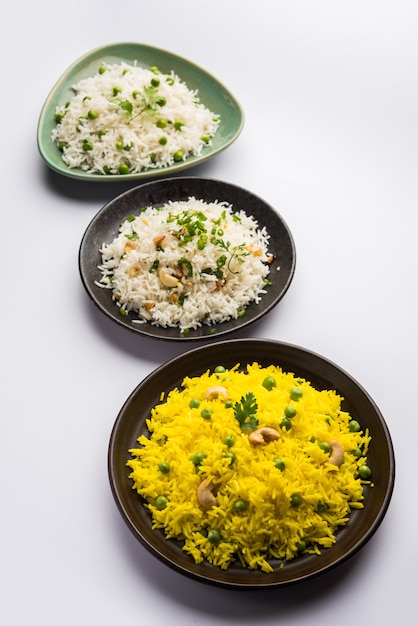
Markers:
{"x": 323, "y": 374}
{"x": 105, "y": 225}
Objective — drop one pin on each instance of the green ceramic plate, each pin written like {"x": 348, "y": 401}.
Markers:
{"x": 211, "y": 93}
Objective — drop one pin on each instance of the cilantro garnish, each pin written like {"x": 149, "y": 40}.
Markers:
{"x": 245, "y": 411}
{"x": 133, "y": 236}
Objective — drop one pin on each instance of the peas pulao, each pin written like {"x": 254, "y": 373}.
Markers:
{"x": 186, "y": 264}
{"x": 250, "y": 465}
{"x": 128, "y": 119}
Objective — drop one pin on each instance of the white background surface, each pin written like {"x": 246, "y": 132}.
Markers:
{"x": 330, "y": 95}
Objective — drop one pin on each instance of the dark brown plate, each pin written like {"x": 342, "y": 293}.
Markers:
{"x": 323, "y": 374}
{"x": 104, "y": 228}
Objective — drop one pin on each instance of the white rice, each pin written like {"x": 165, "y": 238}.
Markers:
{"x": 117, "y": 123}
{"x": 216, "y": 259}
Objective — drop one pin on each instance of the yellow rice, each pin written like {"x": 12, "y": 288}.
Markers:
{"x": 270, "y": 527}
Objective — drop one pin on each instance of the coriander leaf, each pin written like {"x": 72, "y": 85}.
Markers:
{"x": 126, "y": 106}
{"x": 245, "y": 411}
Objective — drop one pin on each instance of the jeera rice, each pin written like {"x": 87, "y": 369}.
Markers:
{"x": 186, "y": 263}
{"x": 266, "y": 500}
{"x": 127, "y": 119}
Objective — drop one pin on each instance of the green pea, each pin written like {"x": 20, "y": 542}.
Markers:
{"x": 214, "y": 536}
{"x": 197, "y": 458}
{"x": 295, "y": 500}
{"x": 162, "y": 140}
{"x": 136, "y": 93}
{"x": 87, "y": 145}
{"x": 321, "y": 507}
{"x": 92, "y": 114}
{"x": 116, "y": 90}
{"x": 59, "y": 117}
{"x": 290, "y": 411}
{"x": 119, "y": 145}
{"x": 228, "y": 404}
{"x": 155, "y": 82}
{"x": 240, "y": 506}
{"x": 161, "y": 124}
{"x": 205, "y": 138}
{"x": 164, "y": 467}
{"x": 102, "y": 69}
{"x": 102, "y": 132}
{"x": 161, "y": 101}
{"x": 269, "y": 383}
{"x": 301, "y": 545}
{"x": 280, "y": 464}
{"x": 357, "y": 453}
{"x": 206, "y": 413}
{"x": 296, "y": 393}
{"x": 178, "y": 125}
{"x": 230, "y": 456}
{"x": 325, "y": 446}
{"x": 123, "y": 312}
{"x": 62, "y": 145}
{"x": 178, "y": 155}
{"x": 364, "y": 472}
{"x": 123, "y": 168}
{"x": 194, "y": 403}
{"x": 219, "y": 369}
{"x": 354, "y": 426}
{"x": 229, "y": 440}
{"x": 161, "y": 502}
{"x": 286, "y": 424}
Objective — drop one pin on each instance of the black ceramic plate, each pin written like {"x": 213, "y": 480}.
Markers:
{"x": 104, "y": 228}
{"x": 211, "y": 92}
{"x": 323, "y": 374}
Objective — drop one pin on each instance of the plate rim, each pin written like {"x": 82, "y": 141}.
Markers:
{"x": 203, "y": 577}
{"x": 60, "y": 167}
{"x": 151, "y": 331}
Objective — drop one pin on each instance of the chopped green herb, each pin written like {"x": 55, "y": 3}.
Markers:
{"x": 245, "y": 411}
{"x": 187, "y": 265}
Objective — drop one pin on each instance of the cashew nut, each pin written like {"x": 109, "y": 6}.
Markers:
{"x": 205, "y": 496}
{"x": 158, "y": 239}
{"x": 254, "y": 249}
{"x": 134, "y": 271}
{"x": 128, "y": 247}
{"x": 337, "y": 453}
{"x": 263, "y": 435}
{"x": 214, "y": 392}
{"x": 168, "y": 280}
